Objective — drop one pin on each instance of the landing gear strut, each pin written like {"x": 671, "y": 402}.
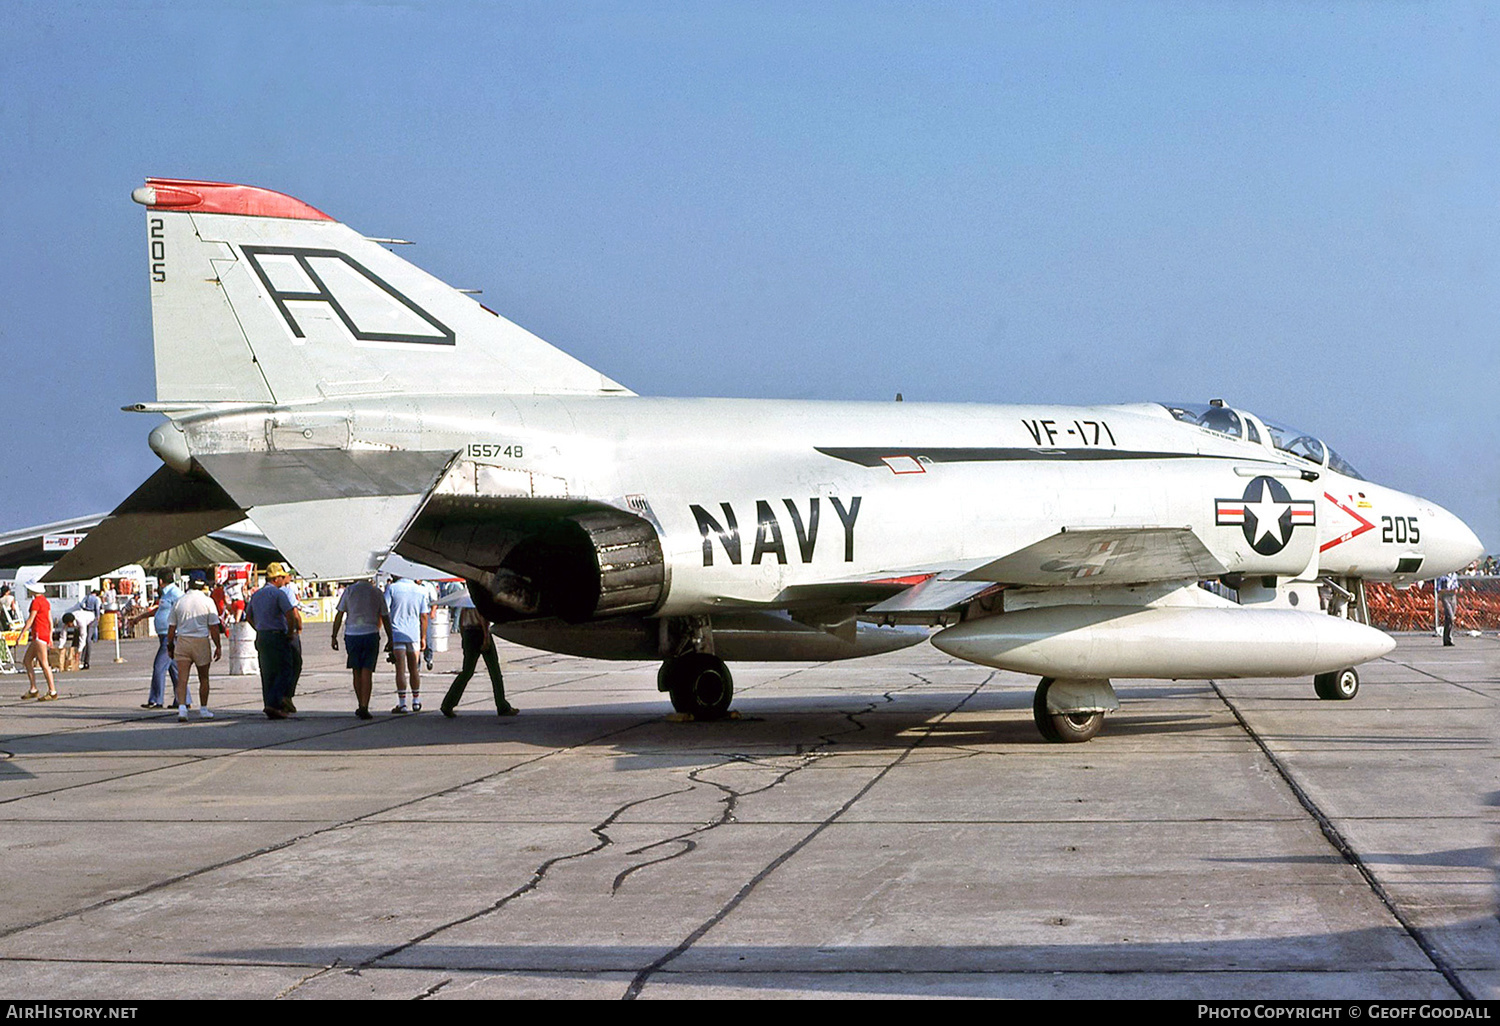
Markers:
{"x": 1076, "y": 711}
{"x": 1337, "y": 687}
{"x": 700, "y": 685}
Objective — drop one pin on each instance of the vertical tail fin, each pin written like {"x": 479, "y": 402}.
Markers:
{"x": 258, "y": 297}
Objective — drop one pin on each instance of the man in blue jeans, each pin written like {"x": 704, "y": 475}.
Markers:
{"x": 167, "y": 594}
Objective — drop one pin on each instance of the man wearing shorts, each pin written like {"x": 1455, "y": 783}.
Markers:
{"x": 193, "y": 622}
{"x": 409, "y": 610}
{"x": 366, "y": 610}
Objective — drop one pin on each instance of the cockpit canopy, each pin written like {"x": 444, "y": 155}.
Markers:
{"x": 1217, "y": 417}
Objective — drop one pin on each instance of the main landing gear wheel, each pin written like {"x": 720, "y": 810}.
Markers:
{"x": 700, "y": 685}
{"x": 1337, "y": 687}
{"x": 1067, "y": 728}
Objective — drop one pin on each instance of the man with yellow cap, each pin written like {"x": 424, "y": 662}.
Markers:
{"x": 274, "y": 616}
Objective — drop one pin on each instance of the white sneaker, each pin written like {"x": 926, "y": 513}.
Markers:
{"x": 204, "y": 714}
{"x": 182, "y": 714}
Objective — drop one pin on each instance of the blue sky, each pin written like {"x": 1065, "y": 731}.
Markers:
{"x": 1294, "y": 206}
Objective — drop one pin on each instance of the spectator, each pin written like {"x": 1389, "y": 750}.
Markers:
{"x": 76, "y": 627}
{"x": 273, "y": 616}
{"x": 163, "y": 666}
{"x": 409, "y": 611}
{"x": 1447, "y": 593}
{"x": 294, "y": 645}
{"x": 194, "y": 621}
{"x": 367, "y": 613}
{"x": 477, "y": 642}
{"x": 39, "y": 625}
{"x": 10, "y": 613}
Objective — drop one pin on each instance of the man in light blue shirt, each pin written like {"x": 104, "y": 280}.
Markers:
{"x": 1447, "y": 593}
{"x": 167, "y": 594}
{"x": 272, "y": 615}
{"x": 410, "y": 610}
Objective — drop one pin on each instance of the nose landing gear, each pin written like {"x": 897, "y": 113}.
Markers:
{"x": 1337, "y": 687}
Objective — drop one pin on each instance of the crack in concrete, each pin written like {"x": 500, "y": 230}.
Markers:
{"x": 432, "y": 990}
{"x": 286, "y": 992}
{"x": 537, "y": 876}
{"x": 729, "y": 802}
{"x": 306, "y": 835}
{"x": 732, "y": 797}
{"x": 643, "y": 977}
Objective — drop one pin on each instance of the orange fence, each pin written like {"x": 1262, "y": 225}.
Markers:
{"x": 1412, "y": 609}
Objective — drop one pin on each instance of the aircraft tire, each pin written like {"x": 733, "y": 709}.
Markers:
{"x": 1337, "y": 687}
{"x": 700, "y": 685}
{"x": 1062, "y": 728}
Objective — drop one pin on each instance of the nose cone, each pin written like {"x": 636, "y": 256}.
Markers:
{"x": 1448, "y": 542}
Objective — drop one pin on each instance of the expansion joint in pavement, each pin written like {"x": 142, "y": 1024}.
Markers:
{"x": 1344, "y": 848}
{"x": 1437, "y": 677}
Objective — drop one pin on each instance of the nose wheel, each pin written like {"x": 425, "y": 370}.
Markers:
{"x": 1337, "y": 687}
{"x": 699, "y": 684}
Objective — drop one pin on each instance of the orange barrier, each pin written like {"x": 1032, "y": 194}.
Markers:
{"x": 1412, "y": 609}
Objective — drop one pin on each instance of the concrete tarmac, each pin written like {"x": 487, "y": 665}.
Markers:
{"x": 884, "y": 827}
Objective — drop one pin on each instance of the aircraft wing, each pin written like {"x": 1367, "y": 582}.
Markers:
{"x": 169, "y": 509}
{"x": 1074, "y": 556}
{"x": 1104, "y": 555}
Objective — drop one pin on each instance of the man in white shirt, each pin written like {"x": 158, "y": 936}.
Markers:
{"x": 193, "y": 622}
{"x": 365, "y": 607}
{"x": 77, "y": 626}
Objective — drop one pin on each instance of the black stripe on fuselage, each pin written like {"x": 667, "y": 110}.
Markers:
{"x": 868, "y": 457}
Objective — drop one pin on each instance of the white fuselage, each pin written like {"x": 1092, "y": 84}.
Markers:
{"x": 753, "y": 497}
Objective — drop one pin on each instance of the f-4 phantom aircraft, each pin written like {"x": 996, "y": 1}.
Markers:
{"x": 352, "y": 405}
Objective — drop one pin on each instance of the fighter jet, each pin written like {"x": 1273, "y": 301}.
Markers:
{"x": 352, "y": 406}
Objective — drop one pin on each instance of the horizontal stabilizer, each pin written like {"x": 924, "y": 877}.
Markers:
{"x": 1093, "y": 556}
{"x": 306, "y": 475}
{"x": 294, "y": 495}
{"x": 169, "y": 509}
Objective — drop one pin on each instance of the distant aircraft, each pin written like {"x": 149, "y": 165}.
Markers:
{"x": 352, "y": 406}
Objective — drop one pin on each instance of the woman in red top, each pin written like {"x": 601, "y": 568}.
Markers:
{"x": 39, "y": 624}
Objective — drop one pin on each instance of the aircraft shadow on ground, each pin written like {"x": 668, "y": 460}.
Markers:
{"x": 765, "y": 723}
{"x": 1478, "y": 857}
{"x": 1186, "y": 968}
